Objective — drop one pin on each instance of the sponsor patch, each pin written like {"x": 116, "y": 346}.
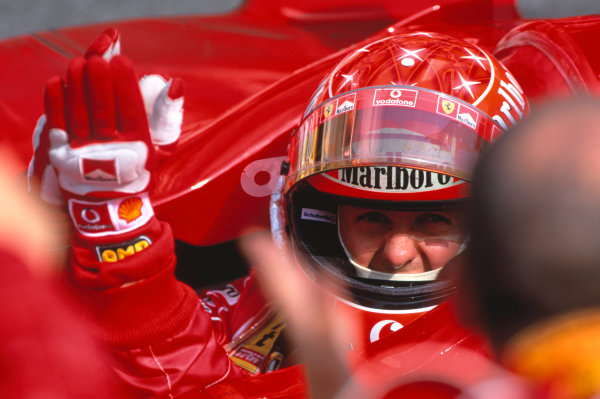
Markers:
{"x": 345, "y": 104}
{"x": 110, "y": 217}
{"x": 397, "y": 97}
{"x": 98, "y": 169}
{"x": 457, "y": 111}
{"x": 255, "y": 353}
{"x": 117, "y": 252}
{"x": 467, "y": 116}
{"x": 338, "y": 106}
{"x": 91, "y": 217}
{"x": 387, "y": 178}
{"x": 318, "y": 215}
{"x": 327, "y": 111}
{"x": 447, "y": 107}
{"x": 130, "y": 209}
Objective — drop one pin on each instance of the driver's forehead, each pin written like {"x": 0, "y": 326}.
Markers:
{"x": 347, "y": 212}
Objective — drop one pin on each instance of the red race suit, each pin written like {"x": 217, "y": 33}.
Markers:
{"x": 166, "y": 339}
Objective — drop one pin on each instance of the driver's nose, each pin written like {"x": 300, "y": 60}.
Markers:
{"x": 399, "y": 253}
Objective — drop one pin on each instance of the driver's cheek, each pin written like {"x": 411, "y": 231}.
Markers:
{"x": 438, "y": 253}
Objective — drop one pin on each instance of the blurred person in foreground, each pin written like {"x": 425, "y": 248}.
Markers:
{"x": 46, "y": 351}
{"x": 531, "y": 281}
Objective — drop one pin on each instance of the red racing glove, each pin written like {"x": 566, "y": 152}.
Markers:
{"x": 163, "y": 101}
{"x": 102, "y": 150}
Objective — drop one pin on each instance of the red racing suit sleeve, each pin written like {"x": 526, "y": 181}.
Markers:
{"x": 165, "y": 340}
{"x": 102, "y": 146}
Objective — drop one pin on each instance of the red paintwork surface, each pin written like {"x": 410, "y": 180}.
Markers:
{"x": 248, "y": 76}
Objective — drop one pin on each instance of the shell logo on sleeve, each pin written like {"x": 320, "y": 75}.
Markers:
{"x": 130, "y": 209}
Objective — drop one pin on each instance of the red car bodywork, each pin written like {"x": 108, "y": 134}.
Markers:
{"x": 248, "y": 76}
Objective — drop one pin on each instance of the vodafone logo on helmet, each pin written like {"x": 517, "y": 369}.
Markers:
{"x": 397, "y": 97}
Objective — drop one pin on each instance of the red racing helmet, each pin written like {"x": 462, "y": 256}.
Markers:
{"x": 396, "y": 125}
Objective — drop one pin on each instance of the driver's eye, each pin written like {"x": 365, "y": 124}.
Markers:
{"x": 373, "y": 217}
{"x": 433, "y": 218}
{"x": 433, "y": 224}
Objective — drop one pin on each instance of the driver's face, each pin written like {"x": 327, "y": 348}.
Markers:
{"x": 400, "y": 241}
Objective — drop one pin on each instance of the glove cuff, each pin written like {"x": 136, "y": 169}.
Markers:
{"x": 155, "y": 305}
{"x": 110, "y": 262}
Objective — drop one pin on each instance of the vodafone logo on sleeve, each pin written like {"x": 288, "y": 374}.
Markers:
{"x": 91, "y": 217}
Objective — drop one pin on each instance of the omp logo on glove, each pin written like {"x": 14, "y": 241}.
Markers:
{"x": 116, "y": 216}
{"x": 115, "y": 253}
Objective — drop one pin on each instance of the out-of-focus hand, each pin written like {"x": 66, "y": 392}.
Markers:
{"x": 319, "y": 331}
{"x": 313, "y": 324}
{"x": 25, "y": 225}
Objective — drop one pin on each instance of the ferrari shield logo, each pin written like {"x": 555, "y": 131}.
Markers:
{"x": 328, "y": 110}
{"x": 447, "y": 106}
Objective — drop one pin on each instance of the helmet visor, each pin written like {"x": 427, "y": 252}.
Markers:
{"x": 391, "y": 125}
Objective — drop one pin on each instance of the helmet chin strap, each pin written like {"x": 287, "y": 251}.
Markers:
{"x": 365, "y": 272}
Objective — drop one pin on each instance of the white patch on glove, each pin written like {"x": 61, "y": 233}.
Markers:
{"x": 112, "y": 50}
{"x": 37, "y": 132}
{"x": 118, "y": 166}
{"x": 49, "y": 190}
{"x": 164, "y": 114}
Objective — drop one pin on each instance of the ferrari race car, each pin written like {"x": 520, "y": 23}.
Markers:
{"x": 249, "y": 76}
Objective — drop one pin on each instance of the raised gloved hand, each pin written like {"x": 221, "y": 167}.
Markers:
{"x": 100, "y": 145}
{"x": 102, "y": 150}
{"x": 163, "y": 102}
